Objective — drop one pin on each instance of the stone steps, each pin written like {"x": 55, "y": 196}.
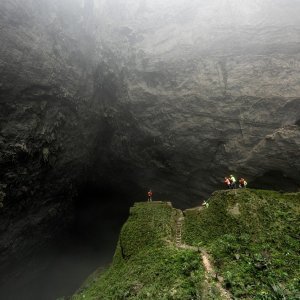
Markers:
{"x": 179, "y": 223}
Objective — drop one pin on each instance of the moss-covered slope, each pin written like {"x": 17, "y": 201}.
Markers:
{"x": 147, "y": 264}
{"x": 252, "y": 237}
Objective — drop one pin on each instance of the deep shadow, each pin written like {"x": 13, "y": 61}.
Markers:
{"x": 100, "y": 211}
{"x": 60, "y": 267}
{"x": 275, "y": 180}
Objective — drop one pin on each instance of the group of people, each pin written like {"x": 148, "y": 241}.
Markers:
{"x": 231, "y": 182}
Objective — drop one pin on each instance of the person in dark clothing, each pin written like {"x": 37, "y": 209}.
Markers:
{"x": 150, "y": 195}
{"x": 242, "y": 183}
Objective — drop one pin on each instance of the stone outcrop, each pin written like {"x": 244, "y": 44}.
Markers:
{"x": 51, "y": 115}
{"x": 140, "y": 94}
{"x": 207, "y": 92}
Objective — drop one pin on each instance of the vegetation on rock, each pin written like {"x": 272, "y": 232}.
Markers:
{"x": 2, "y": 194}
{"x": 251, "y": 236}
{"x": 146, "y": 264}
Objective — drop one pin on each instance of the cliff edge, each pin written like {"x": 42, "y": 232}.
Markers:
{"x": 243, "y": 245}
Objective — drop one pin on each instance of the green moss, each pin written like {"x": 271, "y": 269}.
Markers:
{"x": 253, "y": 238}
{"x": 146, "y": 264}
{"x": 158, "y": 273}
{"x": 149, "y": 225}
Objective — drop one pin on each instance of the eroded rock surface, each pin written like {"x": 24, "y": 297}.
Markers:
{"x": 142, "y": 94}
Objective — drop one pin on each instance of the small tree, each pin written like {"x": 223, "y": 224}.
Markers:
{"x": 2, "y": 196}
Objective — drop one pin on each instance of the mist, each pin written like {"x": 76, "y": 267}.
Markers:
{"x": 102, "y": 100}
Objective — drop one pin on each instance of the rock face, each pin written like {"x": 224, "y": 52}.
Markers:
{"x": 208, "y": 84}
{"x": 140, "y": 94}
{"x": 49, "y": 124}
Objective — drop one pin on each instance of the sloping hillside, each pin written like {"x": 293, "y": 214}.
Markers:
{"x": 253, "y": 237}
{"x": 244, "y": 245}
{"x": 148, "y": 264}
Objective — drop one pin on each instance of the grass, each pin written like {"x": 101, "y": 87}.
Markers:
{"x": 253, "y": 236}
{"x": 157, "y": 273}
{"x": 146, "y": 264}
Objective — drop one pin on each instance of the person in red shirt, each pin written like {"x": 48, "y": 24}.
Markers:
{"x": 242, "y": 183}
{"x": 150, "y": 196}
{"x": 227, "y": 182}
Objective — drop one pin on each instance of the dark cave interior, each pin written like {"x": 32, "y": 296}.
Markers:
{"x": 88, "y": 243}
{"x": 89, "y": 122}
{"x": 275, "y": 180}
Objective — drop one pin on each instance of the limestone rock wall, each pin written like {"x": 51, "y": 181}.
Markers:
{"x": 140, "y": 94}
{"x": 208, "y": 83}
{"x": 52, "y": 90}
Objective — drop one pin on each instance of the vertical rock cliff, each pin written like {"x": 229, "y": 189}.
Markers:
{"x": 137, "y": 94}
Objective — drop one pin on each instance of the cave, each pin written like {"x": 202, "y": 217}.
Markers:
{"x": 101, "y": 101}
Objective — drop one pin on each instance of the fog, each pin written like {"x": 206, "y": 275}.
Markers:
{"x": 217, "y": 27}
{"x": 71, "y": 67}
{"x": 201, "y": 12}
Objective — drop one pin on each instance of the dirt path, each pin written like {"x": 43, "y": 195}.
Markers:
{"x": 210, "y": 273}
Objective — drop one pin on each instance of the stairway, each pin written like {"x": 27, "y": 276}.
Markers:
{"x": 211, "y": 277}
{"x": 179, "y": 223}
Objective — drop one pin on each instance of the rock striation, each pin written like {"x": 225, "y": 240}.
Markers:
{"x": 141, "y": 94}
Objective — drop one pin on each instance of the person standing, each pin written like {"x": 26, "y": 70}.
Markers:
{"x": 227, "y": 182}
{"x": 232, "y": 182}
{"x": 242, "y": 183}
{"x": 150, "y": 195}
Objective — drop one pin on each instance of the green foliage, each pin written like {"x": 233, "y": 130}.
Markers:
{"x": 146, "y": 265}
{"x": 154, "y": 273}
{"x": 253, "y": 236}
{"x": 149, "y": 225}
